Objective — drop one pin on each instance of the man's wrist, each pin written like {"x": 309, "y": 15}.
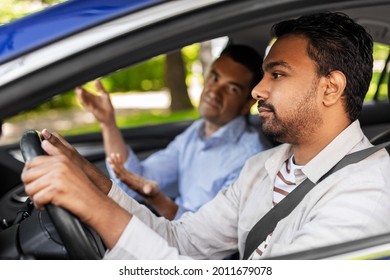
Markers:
{"x": 108, "y": 125}
{"x": 97, "y": 177}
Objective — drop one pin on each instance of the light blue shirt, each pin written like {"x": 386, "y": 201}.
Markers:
{"x": 196, "y": 166}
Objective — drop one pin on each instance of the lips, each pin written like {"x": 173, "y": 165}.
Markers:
{"x": 209, "y": 101}
{"x": 263, "y": 108}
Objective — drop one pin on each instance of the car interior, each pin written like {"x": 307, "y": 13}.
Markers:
{"x": 374, "y": 119}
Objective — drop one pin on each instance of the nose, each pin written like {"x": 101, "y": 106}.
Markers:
{"x": 215, "y": 90}
{"x": 260, "y": 91}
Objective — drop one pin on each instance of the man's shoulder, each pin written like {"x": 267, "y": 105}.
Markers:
{"x": 258, "y": 138}
{"x": 191, "y": 130}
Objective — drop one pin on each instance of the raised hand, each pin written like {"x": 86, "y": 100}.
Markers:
{"x": 99, "y": 105}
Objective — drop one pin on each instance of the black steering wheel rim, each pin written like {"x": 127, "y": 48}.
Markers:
{"x": 71, "y": 231}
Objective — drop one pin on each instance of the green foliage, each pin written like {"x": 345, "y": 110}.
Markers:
{"x": 190, "y": 55}
{"x": 149, "y": 117}
{"x": 155, "y": 117}
{"x": 13, "y": 9}
{"x": 64, "y": 101}
{"x": 381, "y": 52}
{"x": 146, "y": 76}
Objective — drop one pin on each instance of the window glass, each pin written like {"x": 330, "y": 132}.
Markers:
{"x": 378, "y": 89}
{"x": 141, "y": 94}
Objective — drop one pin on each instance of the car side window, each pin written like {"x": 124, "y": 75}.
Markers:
{"x": 378, "y": 90}
{"x": 162, "y": 89}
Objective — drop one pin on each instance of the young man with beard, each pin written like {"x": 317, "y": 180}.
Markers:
{"x": 207, "y": 156}
{"x": 315, "y": 78}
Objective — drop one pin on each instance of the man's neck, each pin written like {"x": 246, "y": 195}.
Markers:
{"x": 308, "y": 149}
{"x": 210, "y": 128}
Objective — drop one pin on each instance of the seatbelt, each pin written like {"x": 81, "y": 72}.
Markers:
{"x": 268, "y": 222}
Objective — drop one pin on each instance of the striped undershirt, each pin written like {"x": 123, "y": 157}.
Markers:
{"x": 284, "y": 184}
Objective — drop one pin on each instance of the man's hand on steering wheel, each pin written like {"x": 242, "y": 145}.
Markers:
{"x": 59, "y": 179}
{"x": 54, "y": 144}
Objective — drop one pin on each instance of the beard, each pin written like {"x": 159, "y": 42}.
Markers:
{"x": 299, "y": 124}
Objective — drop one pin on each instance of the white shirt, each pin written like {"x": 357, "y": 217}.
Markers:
{"x": 350, "y": 204}
{"x": 284, "y": 184}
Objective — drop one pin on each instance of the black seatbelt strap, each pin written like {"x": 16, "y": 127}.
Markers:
{"x": 268, "y": 222}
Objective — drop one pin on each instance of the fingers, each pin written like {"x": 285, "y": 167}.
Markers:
{"x": 119, "y": 157}
{"x": 30, "y": 172}
{"x": 46, "y": 134}
{"x": 116, "y": 163}
{"x": 40, "y": 192}
{"x": 99, "y": 105}
{"x": 100, "y": 87}
{"x": 54, "y": 144}
{"x": 147, "y": 189}
{"x": 115, "y": 158}
{"x": 40, "y": 175}
{"x": 150, "y": 188}
{"x": 57, "y": 180}
{"x": 143, "y": 186}
{"x": 87, "y": 99}
{"x": 82, "y": 95}
{"x": 62, "y": 140}
{"x": 79, "y": 91}
{"x": 38, "y": 167}
{"x": 85, "y": 95}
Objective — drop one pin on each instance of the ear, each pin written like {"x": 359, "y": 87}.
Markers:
{"x": 247, "y": 106}
{"x": 335, "y": 86}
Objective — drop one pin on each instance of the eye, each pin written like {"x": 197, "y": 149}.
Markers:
{"x": 213, "y": 77}
{"x": 233, "y": 90}
{"x": 276, "y": 75}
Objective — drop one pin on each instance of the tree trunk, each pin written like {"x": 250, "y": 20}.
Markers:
{"x": 175, "y": 76}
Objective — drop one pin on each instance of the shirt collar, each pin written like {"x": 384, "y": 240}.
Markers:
{"x": 342, "y": 145}
{"x": 228, "y": 133}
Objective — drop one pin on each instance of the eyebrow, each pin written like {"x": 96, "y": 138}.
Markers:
{"x": 273, "y": 64}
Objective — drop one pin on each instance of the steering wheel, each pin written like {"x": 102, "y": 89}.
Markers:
{"x": 69, "y": 228}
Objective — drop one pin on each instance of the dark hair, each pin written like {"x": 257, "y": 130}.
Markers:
{"x": 336, "y": 42}
{"x": 248, "y": 57}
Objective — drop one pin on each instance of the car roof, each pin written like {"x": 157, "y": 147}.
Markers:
{"x": 59, "y": 21}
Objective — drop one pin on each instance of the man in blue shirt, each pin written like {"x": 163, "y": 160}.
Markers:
{"x": 207, "y": 156}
